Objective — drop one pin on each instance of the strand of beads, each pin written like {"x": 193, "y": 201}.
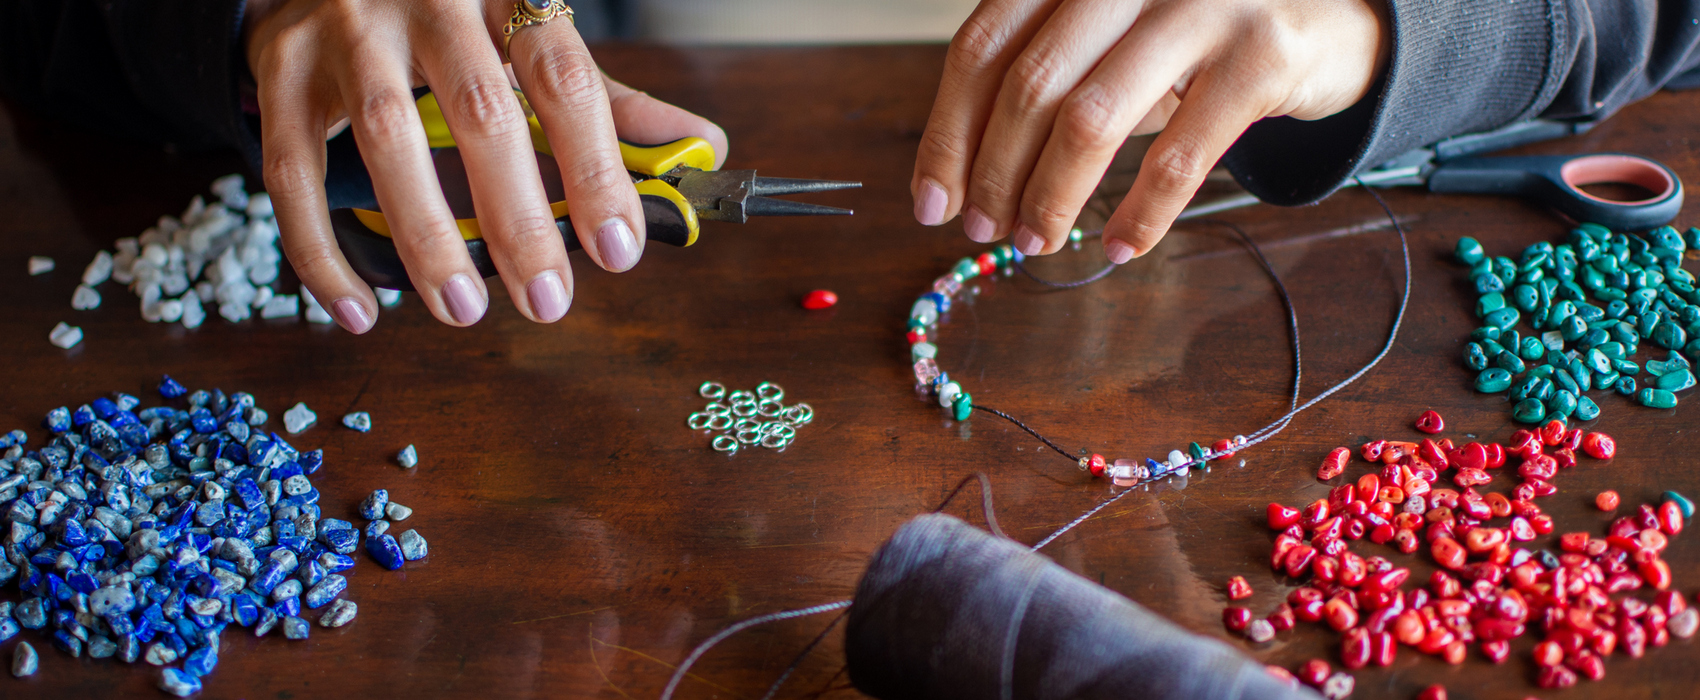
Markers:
{"x": 924, "y": 318}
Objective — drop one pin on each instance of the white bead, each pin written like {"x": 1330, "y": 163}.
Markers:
{"x": 923, "y": 351}
{"x": 947, "y": 394}
{"x": 299, "y": 418}
{"x": 261, "y": 296}
{"x": 925, "y": 311}
{"x": 315, "y": 313}
{"x": 234, "y": 313}
{"x": 171, "y": 310}
{"x": 85, "y": 298}
{"x": 193, "y": 313}
{"x": 99, "y": 269}
{"x": 1178, "y": 458}
{"x": 387, "y": 297}
{"x": 65, "y": 336}
{"x": 40, "y": 264}
{"x": 407, "y": 458}
{"x": 260, "y": 205}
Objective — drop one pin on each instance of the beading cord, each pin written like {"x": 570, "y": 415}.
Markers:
{"x": 798, "y": 660}
{"x": 1240, "y": 443}
{"x": 1089, "y": 279}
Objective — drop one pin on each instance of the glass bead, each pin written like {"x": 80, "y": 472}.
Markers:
{"x": 940, "y": 301}
{"x": 947, "y": 285}
{"x": 947, "y": 394}
{"x": 917, "y": 335}
{"x": 926, "y": 370}
{"x": 988, "y": 263}
{"x": 962, "y": 406}
{"x": 923, "y": 351}
{"x": 925, "y": 310}
{"x": 967, "y": 269}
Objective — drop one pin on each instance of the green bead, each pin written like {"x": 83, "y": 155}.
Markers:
{"x": 1532, "y": 349}
{"x": 1670, "y": 336}
{"x": 1618, "y": 310}
{"x": 962, "y": 405}
{"x": 1525, "y": 297}
{"x": 1610, "y": 294}
{"x": 1626, "y": 367}
{"x": 1505, "y": 318}
{"x": 1561, "y": 405}
{"x": 1586, "y": 409}
{"x": 1595, "y": 231}
{"x": 1485, "y": 333}
{"x": 1528, "y": 411}
{"x": 1488, "y": 283}
{"x": 1489, "y": 303}
{"x": 1692, "y": 237}
{"x": 1510, "y": 362}
{"x": 1587, "y": 380}
{"x": 1474, "y": 358}
{"x": 1542, "y": 371}
{"x": 1493, "y": 380}
{"x": 1666, "y": 237}
{"x": 1615, "y": 351}
{"x": 1469, "y": 251}
{"x": 1681, "y": 501}
{"x": 1625, "y": 333}
{"x": 1598, "y": 362}
{"x": 1573, "y": 328}
{"x": 915, "y": 323}
{"x": 1593, "y": 338}
{"x": 1566, "y": 382}
{"x": 1505, "y": 269}
{"x": 1196, "y": 450}
{"x": 1675, "y": 381}
{"x": 967, "y": 268}
{"x": 1656, "y": 398}
{"x": 1492, "y": 348}
{"x": 1531, "y": 276}
{"x": 1625, "y": 386}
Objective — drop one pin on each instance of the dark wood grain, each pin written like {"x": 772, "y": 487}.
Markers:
{"x": 583, "y": 540}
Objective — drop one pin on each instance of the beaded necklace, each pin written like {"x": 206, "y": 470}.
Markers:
{"x": 925, "y": 316}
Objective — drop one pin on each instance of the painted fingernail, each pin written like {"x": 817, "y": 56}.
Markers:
{"x": 1117, "y": 251}
{"x": 618, "y": 246}
{"x": 978, "y": 226}
{"x": 1028, "y": 242}
{"x": 465, "y": 304}
{"x": 929, "y": 207}
{"x": 351, "y": 315}
{"x": 548, "y": 297}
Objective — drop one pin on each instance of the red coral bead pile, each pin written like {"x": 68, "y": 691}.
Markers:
{"x": 1490, "y": 589}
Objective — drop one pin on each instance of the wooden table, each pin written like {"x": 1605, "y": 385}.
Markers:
{"x": 584, "y": 540}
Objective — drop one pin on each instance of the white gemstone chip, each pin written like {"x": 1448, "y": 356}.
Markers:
{"x": 99, "y": 269}
{"x": 408, "y": 458}
{"x": 397, "y": 511}
{"x": 85, "y": 298}
{"x": 359, "y": 420}
{"x": 387, "y": 297}
{"x": 315, "y": 312}
{"x": 40, "y": 264}
{"x": 65, "y": 336}
{"x": 282, "y": 306}
{"x": 299, "y": 418}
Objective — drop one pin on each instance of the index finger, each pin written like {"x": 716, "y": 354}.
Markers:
{"x": 979, "y": 56}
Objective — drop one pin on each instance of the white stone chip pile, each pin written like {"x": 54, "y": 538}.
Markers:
{"x": 218, "y": 258}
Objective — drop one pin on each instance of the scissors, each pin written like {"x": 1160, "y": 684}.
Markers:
{"x": 676, "y": 183}
{"x": 1450, "y": 166}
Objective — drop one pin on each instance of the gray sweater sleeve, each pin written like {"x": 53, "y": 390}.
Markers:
{"x": 1464, "y": 66}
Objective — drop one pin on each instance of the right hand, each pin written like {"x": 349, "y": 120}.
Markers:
{"x": 323, "y": 64}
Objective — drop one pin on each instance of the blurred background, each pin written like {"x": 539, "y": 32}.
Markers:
{"x": 772, "y": 21}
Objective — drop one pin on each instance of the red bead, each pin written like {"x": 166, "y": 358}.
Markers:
{"x": 1482, "y": 539}
{"x": 1430, "y": 422}
{"x": 1448, "y": 553}
{"x": 1599, "y": 446}
{"x": 1095, "y": 465}
{"x": 1406, "y": 541}
{"x": 1670, "y": 517}
{"x": 1555, "y": 677}
{"x": 819, "y": 299}
{"x": 1236, "y": 618}
{"x": 1588, "y": 664}
{"x": 1433, "y": 692}
{"x": 1372, "y": 450}
{"x": 1437, "y": 640}
{"x": 916, "y": 335}
{"x": 1671, "y": 602}
{"x": 1355, "y": 649}
{"x": 1222, "y": 447}
{"x": 1314, "y": 672}
{"x": 1573, "y": 541}
{"x": 1542, "y": 523}
{"x": 1299, "y": 560}
{"x": 1538, "y": 467}
{"x": 1548, "y": 654}
{"x": 1521, "y": 530}
{"x": 1656, "y": 573}
{"x": 1495, "y": 455}
{"x": 1633, "y": 637}
{"x": 1383, "y": 649}
{"x": 1553, "y": 432}
{"x": 1238, "y": 588}
{"x": 1282, "y": 619}
{"x": 1281, "y": 517}
{"x": 1408, "y": 628}
{"x": 1497, "y": 651}
{"x": 1334, "y": 464}
{"x": 1573, "y": 439}
{"x": 1339, "y": 615}
{"x": 988, "y": 263}
{"x": 1606, "y": 500}
{"x": 1317, "y": 513}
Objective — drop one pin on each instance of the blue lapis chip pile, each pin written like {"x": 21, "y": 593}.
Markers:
{"x": 143, "y": 534}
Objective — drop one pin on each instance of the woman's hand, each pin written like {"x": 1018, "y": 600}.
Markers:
{"x": 1039, "y": 94}
{"x": 321, "y": 64}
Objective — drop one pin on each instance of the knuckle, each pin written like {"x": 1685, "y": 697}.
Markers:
{"x": 288, "y": 173}
{"x": 1088, "y": 120}
{"x": 599, "y": 179}
{"x": 976, "y": 45}
{"x": 1179, "y": 164}
{"x": 486, "y": 107}
{"x": 387, "y": 115}
{"x": 565, "y": 76}
{"x": 937, "y": 143}
{"x": 1050, "y": 215}
{"x": 1036, "y": 80}
{"x": 527, "y": 238}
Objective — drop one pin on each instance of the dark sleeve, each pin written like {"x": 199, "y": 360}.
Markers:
{"x": 160, "y": 71}
{"x": 1465, "y": 66}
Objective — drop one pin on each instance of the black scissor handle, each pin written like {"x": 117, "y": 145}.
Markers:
{"x": 1556, "y": 182}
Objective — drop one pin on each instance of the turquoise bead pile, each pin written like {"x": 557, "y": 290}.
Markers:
{"x": 1587, "y": 304}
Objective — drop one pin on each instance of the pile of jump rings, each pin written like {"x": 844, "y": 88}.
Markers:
{"x": 744, "y": 418}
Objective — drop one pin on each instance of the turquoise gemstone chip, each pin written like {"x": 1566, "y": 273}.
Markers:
{"x": 1493, "y": 380}
{"x": 1675, "y": 381}
{"x": 1656, "y": 398}
{"x": 1505, "y": 318}
{"x": 1586, "y": 409}
{"x": 1529, "y": 411}
{"x": 1469, "y": 251}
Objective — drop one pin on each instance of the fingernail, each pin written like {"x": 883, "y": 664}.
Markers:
{"x": 1117, "y": 251}
{"x": 548, "y": 297}
{"x": 465, "y": 304}
{"x": 351, "y": 315}
{"x": 929, "y": 207}
{"x": 978, "y": 226}
{"x": 618, "y": 246}
{"x": 1028, "y": 242}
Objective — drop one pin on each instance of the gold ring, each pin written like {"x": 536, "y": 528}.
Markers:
{"x": 530, "y": 12}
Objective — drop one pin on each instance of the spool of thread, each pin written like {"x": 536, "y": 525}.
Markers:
{"x": 947, "y": 611}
